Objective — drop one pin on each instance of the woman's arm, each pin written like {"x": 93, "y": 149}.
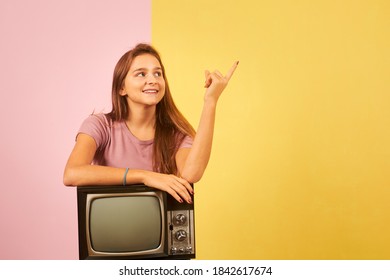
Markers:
{"x": 80, "y": 172}
{"x": 192, "y": 162}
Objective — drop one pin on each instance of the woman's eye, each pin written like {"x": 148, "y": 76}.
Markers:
{"x": 144, "y": 74}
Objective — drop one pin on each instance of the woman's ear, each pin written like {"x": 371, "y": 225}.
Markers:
{"x": 123, "y": 92}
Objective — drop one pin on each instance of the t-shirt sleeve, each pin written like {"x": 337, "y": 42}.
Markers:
{"x": 95, "y": 126}
{"x": 187, "y": 142}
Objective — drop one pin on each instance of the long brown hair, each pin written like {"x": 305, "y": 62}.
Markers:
{"x": 171, "y": 126}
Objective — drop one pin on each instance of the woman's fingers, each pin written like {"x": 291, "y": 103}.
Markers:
{"x": 218, "y": 75}
{"x": 179, "y": 188}
{"x": 186, "y": 185}
{"x": 182, "y": 193}
{"x": 208, "y": 79}
{"x": 231, "y": 70}
{"x": 174, "y": 194}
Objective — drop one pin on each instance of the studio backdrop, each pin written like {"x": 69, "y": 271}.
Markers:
{"x": 301, "y": 154}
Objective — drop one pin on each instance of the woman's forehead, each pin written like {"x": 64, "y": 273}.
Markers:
{"x": 147, "y": 61}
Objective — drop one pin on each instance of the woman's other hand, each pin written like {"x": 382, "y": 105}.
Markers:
{"x": 178, "y": 187}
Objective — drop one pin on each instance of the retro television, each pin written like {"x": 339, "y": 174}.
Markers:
{"x": 133, "y": 222}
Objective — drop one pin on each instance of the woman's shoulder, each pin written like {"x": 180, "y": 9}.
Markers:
{"x": 97, "y": 123}
{"x": 99, "y": 119}
{"x": 98, "y": 126}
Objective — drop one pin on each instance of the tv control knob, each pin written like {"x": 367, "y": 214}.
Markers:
{"x": 181, "y": 250}
{"x": 181, "y": 235}
{"x": 180, "y": 219}
{"x": 189, "y": 249}
{"x": 173, "y": 250}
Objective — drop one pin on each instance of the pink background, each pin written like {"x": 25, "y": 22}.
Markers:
{"x": 56, "y": 61}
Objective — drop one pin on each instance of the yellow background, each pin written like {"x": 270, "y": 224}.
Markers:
{"x": 301, "y": 156}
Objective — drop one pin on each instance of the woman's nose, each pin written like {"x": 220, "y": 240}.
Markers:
{"x": 151, "y": 79}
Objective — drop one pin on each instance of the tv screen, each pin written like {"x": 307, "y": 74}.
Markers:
{"x": 112, "y": 221}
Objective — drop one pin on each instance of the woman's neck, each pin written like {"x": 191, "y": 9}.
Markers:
{"x": 141, "y": 121}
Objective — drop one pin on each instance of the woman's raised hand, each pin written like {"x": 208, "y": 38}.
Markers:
{"x": 216, "y": 83}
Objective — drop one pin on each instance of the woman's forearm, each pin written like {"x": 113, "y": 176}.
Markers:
{"x": 200, "y": 152}
{"x": 87, "y": 175}
{"x": 198, "y": 157}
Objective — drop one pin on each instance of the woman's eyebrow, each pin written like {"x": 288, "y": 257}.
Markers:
{"x": 145, "y": 69}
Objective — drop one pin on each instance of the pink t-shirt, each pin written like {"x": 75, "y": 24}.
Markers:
{"x": 117, "y": 146}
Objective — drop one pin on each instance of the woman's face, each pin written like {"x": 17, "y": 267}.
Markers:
{"x": 144, "y": 83}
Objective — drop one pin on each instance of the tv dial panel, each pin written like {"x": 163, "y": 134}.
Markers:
{"x": 181, "y": 232}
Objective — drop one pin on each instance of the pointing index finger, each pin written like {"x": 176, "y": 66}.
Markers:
{"x": 231, "y": 70}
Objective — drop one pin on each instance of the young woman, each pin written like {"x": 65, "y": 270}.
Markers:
{"x": 145, "y": 139}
